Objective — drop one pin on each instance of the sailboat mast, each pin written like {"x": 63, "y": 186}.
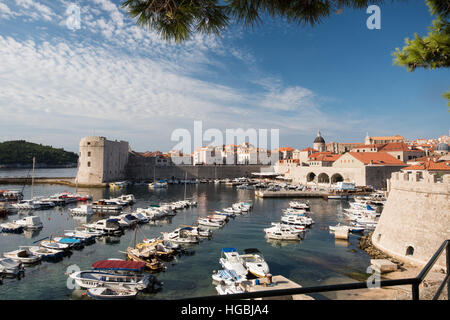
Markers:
{"x": 185, "y": 182}
{"x": 32, "y": 179}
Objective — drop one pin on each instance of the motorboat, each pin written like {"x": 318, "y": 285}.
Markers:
{"x": 296, "y": 220}
{"x": 107, "y": 226}
{"x": 10, "y": 267}
{"x": 159, "y": 248}
{"x": 227, "y": 277}
{"x": 93, "y": 279}
{"x": 231, "y": 260}
{"x": 299, "y": 205}
{"x": 107, "y": 206}
{"x": 11, "y": 227}
{"x": 25, "y": 205}
{"x": 30, "y": 223}
{"x": 104, "y": 293}
{"x": 254, "y": 262}
{"x": 140, "y": 217}
{"x": 90, "y": 231}
{"x": 83, "y": 210}
{"x": 23, "y": 256}
{"x": 193, "y": 231}
{"x": 158, "y": 185}
{"x": 283, "y": 232}
{"x": 181, "y": 236}
{"x": 228, "y": 214}
{"x": 86, "y": 238}
{"x": 127, "y": 220}
{"x": 289, "y": 227}
{"x": 127, "y": 198}
{"x": 218, "y": 218}
{"x": 210, "y": 223}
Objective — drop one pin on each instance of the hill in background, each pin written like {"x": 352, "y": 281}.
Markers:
{"x": 20, "y": 153}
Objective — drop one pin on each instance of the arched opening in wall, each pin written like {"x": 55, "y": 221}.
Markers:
{"x": 409, "y": 251}
{"x": 323, "y": 178}
{"x": 310, "y": 176}
{"x": 336, "y": 178}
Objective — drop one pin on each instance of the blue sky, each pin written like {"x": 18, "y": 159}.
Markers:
{"x": 117, "y": 80}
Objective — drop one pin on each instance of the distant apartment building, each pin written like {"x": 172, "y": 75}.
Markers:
{"x": 383, "y": 139}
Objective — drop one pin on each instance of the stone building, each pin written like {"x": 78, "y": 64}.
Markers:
{"x": 101, "y": 160}
{"x": 416, "y": 217}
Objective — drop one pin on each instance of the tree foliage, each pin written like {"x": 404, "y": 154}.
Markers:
{"x": 22, "y": 152}
{"x": 178, "y": 20}
{"x": 432, "y": 51}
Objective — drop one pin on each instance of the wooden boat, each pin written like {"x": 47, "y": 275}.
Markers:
{"x": 162, "y": 251}
{"x": 103, "y": 293}
{"x": 147, "y": 256}
{"x": 22, "y": 256}
{"x": 94, "y": 279}
{"x": 45, "y": 253}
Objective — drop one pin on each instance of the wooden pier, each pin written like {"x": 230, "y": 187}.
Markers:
{"x": 278, "y": 283}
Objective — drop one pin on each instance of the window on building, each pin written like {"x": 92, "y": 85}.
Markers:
{"x": 89, "y": 153}
{"x": 88, "y": 143}
{"x": 409, "y": 251}
{"x": 398, "y": 157}
{"x": 89, "y": 164}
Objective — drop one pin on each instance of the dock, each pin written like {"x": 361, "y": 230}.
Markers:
{"x": 279, "y": 283}
{"x": 68, "y": 181}
{"x": 290, "y": 194}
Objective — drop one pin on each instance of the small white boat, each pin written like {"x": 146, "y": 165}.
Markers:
{"x": 231, "y": 260}
{"x": 11, "y": 227}
{"x": 299, "y": 205}
{"x": 10, "y": 267}
{"x": 296, "y": 220}
{"x": 210, "y": 223}
{"x": 83, "y": 210}
{"x": 107, "y": 226}
{"x": 180, "y": 236}
{"x": 255, "y": 263}
{"x": 23, "y": 256}
{"x": 94, "y": 279}
{"x": 104, "y": 293}
{"x": 227, "y": 277}
{"x": 30, "y": 223}
{"x": 54, "y": 245}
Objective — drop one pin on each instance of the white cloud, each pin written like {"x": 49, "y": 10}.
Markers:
{"x": 36, "y": 10}
{"x": 5, "y": 12}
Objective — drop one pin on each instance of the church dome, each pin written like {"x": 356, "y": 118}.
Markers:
{"x": 319, "y": 139}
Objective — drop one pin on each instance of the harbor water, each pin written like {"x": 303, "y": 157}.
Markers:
{"x": 319, "y": 259}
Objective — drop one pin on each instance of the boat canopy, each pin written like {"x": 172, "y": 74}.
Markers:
{"x": 119, "y": 265}
{"x": 69, "y": 240}
{"x": 251, "y": 250}
{"x": 229, "y": 250}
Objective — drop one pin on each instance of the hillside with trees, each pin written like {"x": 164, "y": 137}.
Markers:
{"x": 20, "y": 153}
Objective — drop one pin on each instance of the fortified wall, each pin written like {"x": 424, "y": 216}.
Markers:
{"x": 142, "y": 168}
{"x": 416, "y": 217}
{"x": 101, "y": 161}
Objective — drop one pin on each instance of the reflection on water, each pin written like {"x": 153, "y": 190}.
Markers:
{"x": 308, "y": 262}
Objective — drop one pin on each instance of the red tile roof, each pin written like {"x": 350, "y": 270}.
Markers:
{"x": 380, "y": 158}
{"x": 324, "y": 156}
{"x": 430, "y": 165}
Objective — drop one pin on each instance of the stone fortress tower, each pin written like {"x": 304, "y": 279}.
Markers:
{"x": 319, "y": 143}
{"x": 416, "y": 217}
{"x": 101, "y": 160}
